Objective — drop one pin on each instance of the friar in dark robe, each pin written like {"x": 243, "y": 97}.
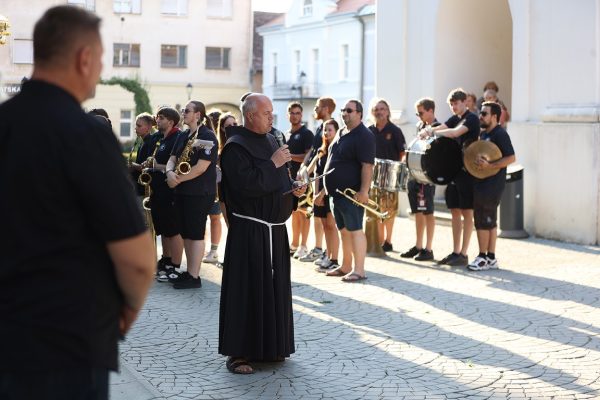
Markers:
{"x": 256, "y": 321}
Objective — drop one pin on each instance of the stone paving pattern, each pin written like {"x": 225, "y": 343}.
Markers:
{"x": 411, "y": 331}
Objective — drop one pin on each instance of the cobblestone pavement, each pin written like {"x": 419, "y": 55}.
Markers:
{"x": 411, "y": 331}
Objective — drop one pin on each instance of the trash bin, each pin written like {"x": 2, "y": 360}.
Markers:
{"x": 511, "y": 205}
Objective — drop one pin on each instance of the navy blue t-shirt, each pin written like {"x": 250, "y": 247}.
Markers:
{"x": 469, "y": 120}
{"x": 500, "y": 138}
{"x": 389, "y": 142}
{"x": 298, "y": 143}
{"x": 205, "y": 184}
{"x": 346, "y": 155}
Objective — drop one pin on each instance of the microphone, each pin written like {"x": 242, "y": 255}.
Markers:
{"x": 280, "y": 141}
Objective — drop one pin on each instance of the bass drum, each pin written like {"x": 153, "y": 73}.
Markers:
{"x": 434, "y": 161}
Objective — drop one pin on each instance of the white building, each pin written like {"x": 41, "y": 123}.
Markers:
{"x": 319, "y": 48}
{"x": 175, "y": 48}
{"x": 545, "y": 57}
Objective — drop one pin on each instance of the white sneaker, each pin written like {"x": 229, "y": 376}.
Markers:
{"x": 492, "y": 264}
{"x": 212, "y": 257}
{"x": 479, "y": 264}
{"x": 322, "y": 261}
{"x": 313, "y": 255}
{"x": 301, "y": 252}
{"x": 322, "y": 257}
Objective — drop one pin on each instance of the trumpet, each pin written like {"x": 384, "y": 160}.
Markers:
{"x": 371, "y": 206}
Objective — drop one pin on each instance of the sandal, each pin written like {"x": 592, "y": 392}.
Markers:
{"x": 233, "y": 365}
{"x": 353, "y": 277}
{"x": 336, "y": 272}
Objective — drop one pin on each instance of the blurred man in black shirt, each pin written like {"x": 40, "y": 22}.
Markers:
{"x": 77, "y": 258}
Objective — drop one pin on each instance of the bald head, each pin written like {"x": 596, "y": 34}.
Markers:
{"x": 257, "y": 111}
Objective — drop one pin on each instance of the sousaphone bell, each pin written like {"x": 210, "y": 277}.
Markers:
{"x": 486, "y": 150}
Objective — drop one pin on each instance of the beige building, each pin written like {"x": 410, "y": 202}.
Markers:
{"x": 177, "y": 49}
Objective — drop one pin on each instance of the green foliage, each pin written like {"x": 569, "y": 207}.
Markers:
{"x": 140, "y": 95}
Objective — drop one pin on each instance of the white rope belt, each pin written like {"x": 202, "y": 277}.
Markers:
{"x": 270, "y": 225}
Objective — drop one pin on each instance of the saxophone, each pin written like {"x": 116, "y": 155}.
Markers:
{"x": 130, "y": 158}
{"x": 183, "y": 162}
{"x": 145, "y": 178}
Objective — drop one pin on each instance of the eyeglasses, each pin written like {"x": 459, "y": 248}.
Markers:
{"x": 483, "y": 113}
{"x": 347, "y": 110}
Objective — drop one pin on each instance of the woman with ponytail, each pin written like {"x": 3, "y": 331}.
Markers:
{"x": 195, "y": 191}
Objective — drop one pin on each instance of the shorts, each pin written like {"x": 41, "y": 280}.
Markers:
{"x": 485, "y": 208}
{"x": 215, "y": 209}
{"x": 164, "y": 216}
{"x": 192, "y": 212}
{"x": 459, "y": 193}
{"x": 387, "y": 201}
{"x": 322, "y": 211}
{"x": 347, "y": 214}
{"x": 420, "y": 197}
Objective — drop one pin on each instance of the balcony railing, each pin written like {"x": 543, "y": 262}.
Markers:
{"x": 295, "y": 91}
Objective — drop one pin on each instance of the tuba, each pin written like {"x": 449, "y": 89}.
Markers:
{"x": 145, "y": 178}
{"x": 183, "y": 162}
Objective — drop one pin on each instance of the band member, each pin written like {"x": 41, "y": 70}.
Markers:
{"x": 463, "y": 126}
{"x": 324, "y": 108}
{"x": 389, "y": 145}
{"x": 144, "y": 124}
{"x": 77, "y": 258}
{"x": 214, "y": 214}
{"x": 300, "y": 143}
{"x": 225, "y": 121}
{"x": 164, "y": 216}
{"x": 487, "y": 192}
{"x": 420, "y": 195}
{"x": 256, "y": 321}
{"x": 195, "y": 188}
{"x": 323, "y": 213}
{"x": 351, "y": 158}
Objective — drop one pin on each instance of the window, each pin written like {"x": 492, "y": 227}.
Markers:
{"x": 127, "y": 6}
{"x": 274, "y": 68}
{"x": 315, "y": 65}
{"x": 297, "y": 66}
{"x": 174, "y": 7}
{"x": 217, "y": 57}
{"x": 307, "y": 8}
{"x": 126, "y": 55}
{"x": 87, "y": 4}
{"x": 345, "y": 62}
{"x": 173, "y": 56}
{"x": 219, "y": 9}
{"x": 125, "y": 128}
{"x": 23, "y": 51}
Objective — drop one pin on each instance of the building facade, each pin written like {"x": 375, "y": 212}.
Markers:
{"x": 319, "y": 48}
{"x": 177, "y": 49}
{"x": 545, "y": 57}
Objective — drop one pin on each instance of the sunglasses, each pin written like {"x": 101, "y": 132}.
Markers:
{"x": 185, "y": 111}
{"x": 483, "y": 113}
{"x": 347, "y": 110}
{"x": 420, "y": 113}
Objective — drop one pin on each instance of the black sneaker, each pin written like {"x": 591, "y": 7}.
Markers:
{"x": 447, "y": 259}
{"x": 189, "y": 283}
{"x": 387, "y": 246}
{"x": 413, "y": 251}
{"x": 162, "y": 275}
{"x": 459, "y": 261}
{"x": 424, "y": 255}
{"x": 178, "y": 276}
{"x": 327, "y": 267}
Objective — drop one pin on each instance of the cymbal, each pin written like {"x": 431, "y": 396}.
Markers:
{"x": 485, "y": 149}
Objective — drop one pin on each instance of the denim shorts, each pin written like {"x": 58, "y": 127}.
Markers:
{"x": 347, "y": 214}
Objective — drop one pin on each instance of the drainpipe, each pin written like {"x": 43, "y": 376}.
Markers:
{"x": 362, "y": 58}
